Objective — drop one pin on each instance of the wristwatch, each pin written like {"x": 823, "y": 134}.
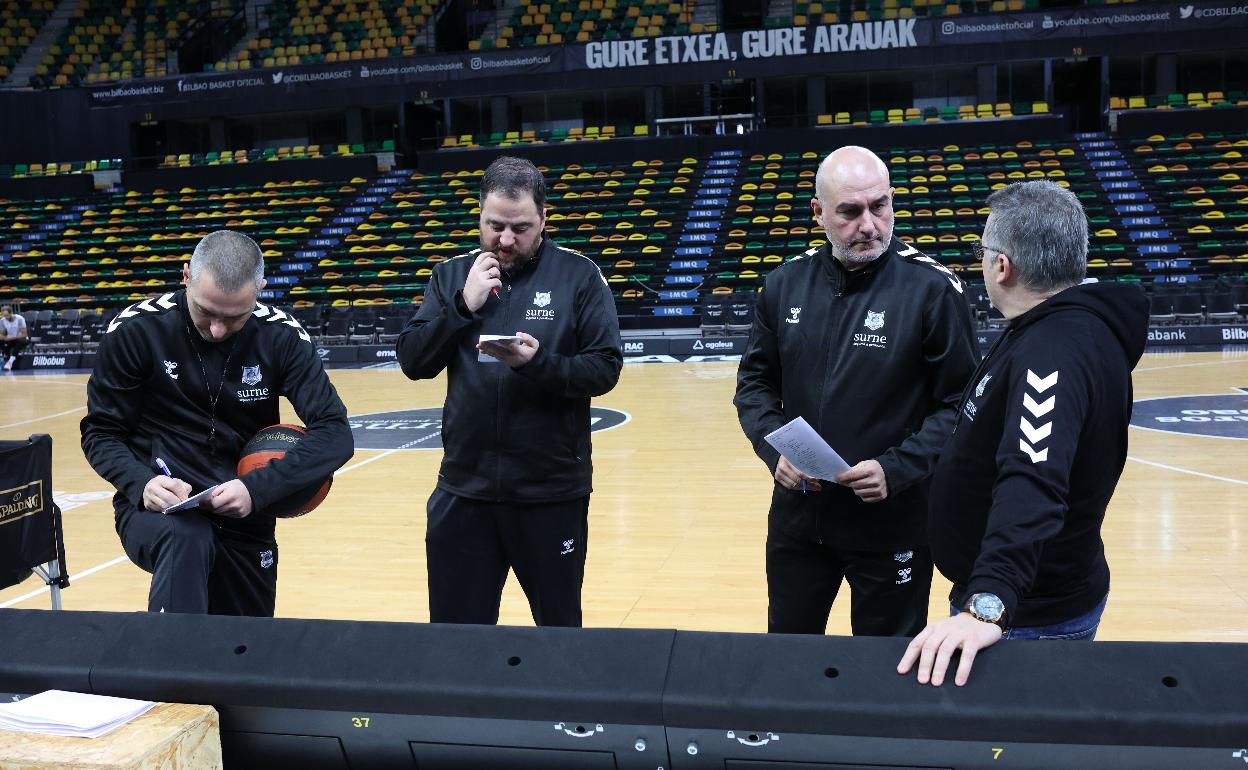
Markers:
{"x": 988, "y": 608}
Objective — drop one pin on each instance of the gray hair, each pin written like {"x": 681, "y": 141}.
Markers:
{"x": 511, "y": 177}
{"x": 232, "y": 258}
{"x": 1042, "y": 228}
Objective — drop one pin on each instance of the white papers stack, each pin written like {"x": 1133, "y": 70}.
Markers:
{"x": 193, "y": 501}
{"x": 75, "y": 714}
{"x": 806, "y": 450}
{"x": 486, "y": 358}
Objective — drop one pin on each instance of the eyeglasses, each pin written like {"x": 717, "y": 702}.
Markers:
{"x": 979, "y": 248}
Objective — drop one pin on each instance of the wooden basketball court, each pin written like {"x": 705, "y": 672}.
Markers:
{"x": 678, "y": 518}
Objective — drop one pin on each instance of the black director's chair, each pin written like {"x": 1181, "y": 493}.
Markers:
{"x": 30, "y": 522}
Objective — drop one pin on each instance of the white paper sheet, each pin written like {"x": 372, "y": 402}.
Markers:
{"x": 74, "y": 714}
{"x": 504, "y": 338}
{"x": 806, "y": 450}
{"x": 191, "y": 502}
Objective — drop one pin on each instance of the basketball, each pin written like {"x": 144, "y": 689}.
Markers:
{"x": 270, "y": 444}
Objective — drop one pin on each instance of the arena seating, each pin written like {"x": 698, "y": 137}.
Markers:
{"x": 897, "y": 115}
{"x": 113, "y": 40}
{"x": 624, "y": 218}
{"x": 803, "y": 12}
{"x": 19, "y": 24}
{"x": 1199, "y": 184}
{"x": 580, "y": 21}
{"x": 108, "y": 40}
{"x": 117, "y": 248}
{"x": 1178, "y": 101}
{"x": 554, "y": 135}
{"x": 23, "y": 170}
{"x": 258, "y": 155}
{"x": 939, "y": 204}
{"x": 306, "y": 31}
{"x": 675, "y": 237}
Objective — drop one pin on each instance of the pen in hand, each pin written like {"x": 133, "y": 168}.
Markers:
{"x": 163, "y": 468}
{"x": 803, "y": 486}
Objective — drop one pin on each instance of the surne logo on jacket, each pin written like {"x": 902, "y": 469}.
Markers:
{"x": 1036, "y": 434}
{"x": 251, "y": 376}
{"x": 539, "y": 313}
{"x": 874, "y": 321}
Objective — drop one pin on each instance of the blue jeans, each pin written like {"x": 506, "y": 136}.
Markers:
{"x": 1080, "y": 629}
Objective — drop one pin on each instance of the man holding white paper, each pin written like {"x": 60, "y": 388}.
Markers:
{"x": 528, "y": 334}
{"x": 871, "y": 342}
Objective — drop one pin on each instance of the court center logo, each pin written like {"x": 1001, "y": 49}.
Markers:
{"x": 422, "y": 428}
{"x": 1213, "y": 415}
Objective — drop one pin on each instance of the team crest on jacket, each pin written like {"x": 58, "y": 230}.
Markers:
{"x": 875, "y": 321}
{"x": 540, "y": 313}
{"x": 979, "y": 389}
{"x": 251, "y": 375}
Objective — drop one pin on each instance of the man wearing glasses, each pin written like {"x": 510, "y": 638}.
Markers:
{"x": 183, "y": 381}
{"x": 871, "y": 342}
{"x": 1020, "y": 491}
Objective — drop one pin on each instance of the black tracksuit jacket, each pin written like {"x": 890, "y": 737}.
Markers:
{"x": 875, "y": 360}
{"x": 1020, "y": 492}
{"x": 518, "y": 435}
{"x": 147, "y": 398}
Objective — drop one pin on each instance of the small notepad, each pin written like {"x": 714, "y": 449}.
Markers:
{"x": 74, "y": 714}
{"x": 192, "y": 501}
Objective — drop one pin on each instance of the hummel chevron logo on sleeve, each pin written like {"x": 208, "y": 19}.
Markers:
{"x": 1039, "y": 384}
{"x": 163, "y": 303}
{"x": 276, "y": 314}
{"x": 1036, "y": 433}
{"x": 933, "y": 263}
{"x": 1038, "y": 409}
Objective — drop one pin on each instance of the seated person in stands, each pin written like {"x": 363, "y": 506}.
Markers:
{"x": 13, "y": 335}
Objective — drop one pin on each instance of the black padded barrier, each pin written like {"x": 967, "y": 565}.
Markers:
{"x": 343, "y": 694}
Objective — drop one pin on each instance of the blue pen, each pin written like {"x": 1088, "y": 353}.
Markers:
{"x": 163, "y": 468}
{"x": 803, "y": 484}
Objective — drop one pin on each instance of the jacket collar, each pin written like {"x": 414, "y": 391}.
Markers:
{"x": 843, "y": 279}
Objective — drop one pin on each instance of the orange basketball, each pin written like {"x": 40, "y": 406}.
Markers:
{"x": 270, "y": 444}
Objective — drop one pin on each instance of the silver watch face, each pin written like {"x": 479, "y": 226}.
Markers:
{"x": 988, "y": 607}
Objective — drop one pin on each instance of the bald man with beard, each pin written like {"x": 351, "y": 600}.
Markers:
{"x": 871, "y": 342}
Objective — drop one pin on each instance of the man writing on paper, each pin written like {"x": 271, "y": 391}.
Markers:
{"x": 513, "y": 491}
{"x": 871, "y": 342}
{"x": 1020, "y": 492}
{"x": 183, "y": 381}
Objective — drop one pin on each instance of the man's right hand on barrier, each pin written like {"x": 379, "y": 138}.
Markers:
{"x": 164, "y": 491}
